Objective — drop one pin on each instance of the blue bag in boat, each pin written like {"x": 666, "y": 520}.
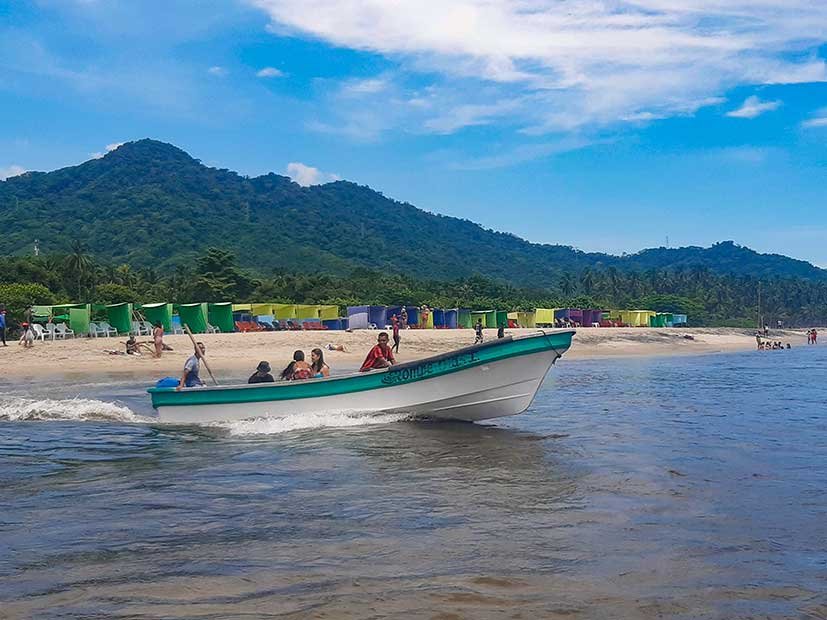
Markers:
{"x": 167, "y": 382}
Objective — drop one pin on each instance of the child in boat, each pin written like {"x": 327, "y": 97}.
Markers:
{"x": 297, "y": 369}
{"x": 320, "y": 369}
{"x": 262, "y": 374}
{"x": 380, "y": 356}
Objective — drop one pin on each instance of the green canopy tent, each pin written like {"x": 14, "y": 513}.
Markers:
{"x": 119, "y": 316}
{"x": 160, "y": 312}
{"x": 221, "y": 316}
{"x": 194, "y": 316}
{"x": 78, "y": 321}
{"x": 464, "y": 318}
{"x": 501, "y": 318}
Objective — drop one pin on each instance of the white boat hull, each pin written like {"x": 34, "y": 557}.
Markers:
{"x": 501, "y": 388}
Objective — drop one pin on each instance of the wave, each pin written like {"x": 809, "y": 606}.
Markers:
{"x": 305, "y": 421}
{"x": 72, "y": 409}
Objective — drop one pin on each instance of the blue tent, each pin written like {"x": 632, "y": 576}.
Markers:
{"x": 361, "y": 317}
{"x": 451, "y": 320}
{"x": 439, "y": 317}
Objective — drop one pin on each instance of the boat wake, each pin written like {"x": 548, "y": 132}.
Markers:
{"x": 72, "y": 409}
{"x": 304, "y": 421}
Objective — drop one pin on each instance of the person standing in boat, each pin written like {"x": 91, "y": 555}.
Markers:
{"x": 192, "y": 368}
{"x": 380, "y": 356}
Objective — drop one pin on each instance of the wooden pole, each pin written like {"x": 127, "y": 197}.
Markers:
{"x": 195, "y": 345}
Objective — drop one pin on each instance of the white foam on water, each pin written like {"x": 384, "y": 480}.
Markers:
{"x": 305, "y": 421}
{"x": 72, "y": 409}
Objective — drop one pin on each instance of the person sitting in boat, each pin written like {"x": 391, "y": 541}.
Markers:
{"x": 320, "y": 369}
{"x": 380, "y": 356}
{"x": 192, "y": 368}
{"x": 262, "y": 374}
{"x": 297, "y": 369}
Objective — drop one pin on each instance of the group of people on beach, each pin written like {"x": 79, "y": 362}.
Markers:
{"x": 812, "y": 336}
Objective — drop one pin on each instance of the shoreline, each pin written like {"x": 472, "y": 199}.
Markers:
{"x": 235, "y": 355}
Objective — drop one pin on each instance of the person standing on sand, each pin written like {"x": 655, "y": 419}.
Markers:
{"x": 192, "y": 368}
{"x": 3, "y": 326}
{"x": 403, "y": 314}
{"x": 815, "y": 336}
{"x": 501, "y": 331}
{"x": 158, "y": 338}
{"x": 396, "y": 336}
{"x": 478, "y": 332}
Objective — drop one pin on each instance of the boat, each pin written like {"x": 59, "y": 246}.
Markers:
{"x": 490, "y": 380}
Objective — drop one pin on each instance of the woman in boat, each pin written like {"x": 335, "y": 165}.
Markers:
{"x": 297, "y": 369}
{"x": 317, "y": 364}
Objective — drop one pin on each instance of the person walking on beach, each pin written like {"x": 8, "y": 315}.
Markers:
{"x": 192, "y": 368}
{"x": 478, "y": 332}
{"x": 3, "y": 326}
{"x": 815, "y": 336}
{"x": 501, "y": 331}
{"x": 396, "y": 336}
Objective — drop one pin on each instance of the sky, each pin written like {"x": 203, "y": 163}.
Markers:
{"x": 609, "y": 125}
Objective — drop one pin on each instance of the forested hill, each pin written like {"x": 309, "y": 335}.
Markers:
{"x": 148, "y": 203}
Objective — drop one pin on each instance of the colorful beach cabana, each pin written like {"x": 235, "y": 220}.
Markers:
{"x": 544, "y": 317}
{"x": 158, "y": 312}
{"x": 284, "y": 312}
{"x": 247, "y": 308}
{"x": 261, "y": 309}
{"x": 678, "y": 319}
{"x": 328, "y": 312}
{"x": 523, "y": 319}
{"x": 451, "y": 320}
{"x": 464, "y": 319}
{"x": 438, "y": 317}
{"x": 119, "y": 316}
{"x": 501, "y": 318}
{"x": 307, "y": 311}
{"x": 361, "y": 317}
{"x": 194, "y": 316}
{"x": 220, "y": 315}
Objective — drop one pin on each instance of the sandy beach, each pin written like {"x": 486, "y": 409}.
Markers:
{"x": 236, "y": 354}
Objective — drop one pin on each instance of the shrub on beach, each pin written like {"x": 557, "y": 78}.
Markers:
{"x": 16, "y": 297}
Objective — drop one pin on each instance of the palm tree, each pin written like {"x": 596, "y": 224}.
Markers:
{"x": 79, "y": 264}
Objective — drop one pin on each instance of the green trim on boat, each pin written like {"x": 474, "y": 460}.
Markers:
{"x": 401, "y": 374}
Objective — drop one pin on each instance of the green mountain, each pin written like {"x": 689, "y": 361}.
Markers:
{"x": 148, "y": 203}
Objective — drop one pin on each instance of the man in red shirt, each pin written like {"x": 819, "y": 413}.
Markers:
{"x": 380, "y": 356}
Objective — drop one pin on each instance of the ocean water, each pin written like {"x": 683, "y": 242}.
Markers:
{"x": 691, "y": 487}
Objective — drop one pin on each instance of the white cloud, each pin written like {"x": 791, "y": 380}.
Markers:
{"x": 818, "y": 120}
{"x": 575, "y": 64}
{"x": 11, "y": 171}
{"x": 754, "y": 107}
{"x": 269, "y": 72}
{"x": 308, "y": 175}
{"x": 217, "y": 71}
{"x": 109, "y": 148}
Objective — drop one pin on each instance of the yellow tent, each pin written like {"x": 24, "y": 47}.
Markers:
{"x": 284, "y": 311}
{"x": 307, "y": 311}
{"x": 524, "y": 319}
{"x": 636, "y": 318}
{"x": 328, "y": 312}
{"x": 544, "y": 316}
{"x": 241, "y": 307}
{"x": 262, "y": 309}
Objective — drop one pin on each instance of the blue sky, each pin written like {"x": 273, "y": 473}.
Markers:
{"x": 605, "y": 125}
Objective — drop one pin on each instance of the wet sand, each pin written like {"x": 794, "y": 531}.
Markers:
{"x": 237, "y": 354}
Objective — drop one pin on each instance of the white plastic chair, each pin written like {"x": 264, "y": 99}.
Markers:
{"x": 177, "y": 329}
{"x": 95, "y": 331}
{"x": 212, "y": 329}
{"x": 39, "y": 332}
{"x": 61, "y": 331}
{"x": 107, "y": 329}
{"x": 137, "y": 329}
{"x": 50, "y": 330}
{"x": 147, "y": 328}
